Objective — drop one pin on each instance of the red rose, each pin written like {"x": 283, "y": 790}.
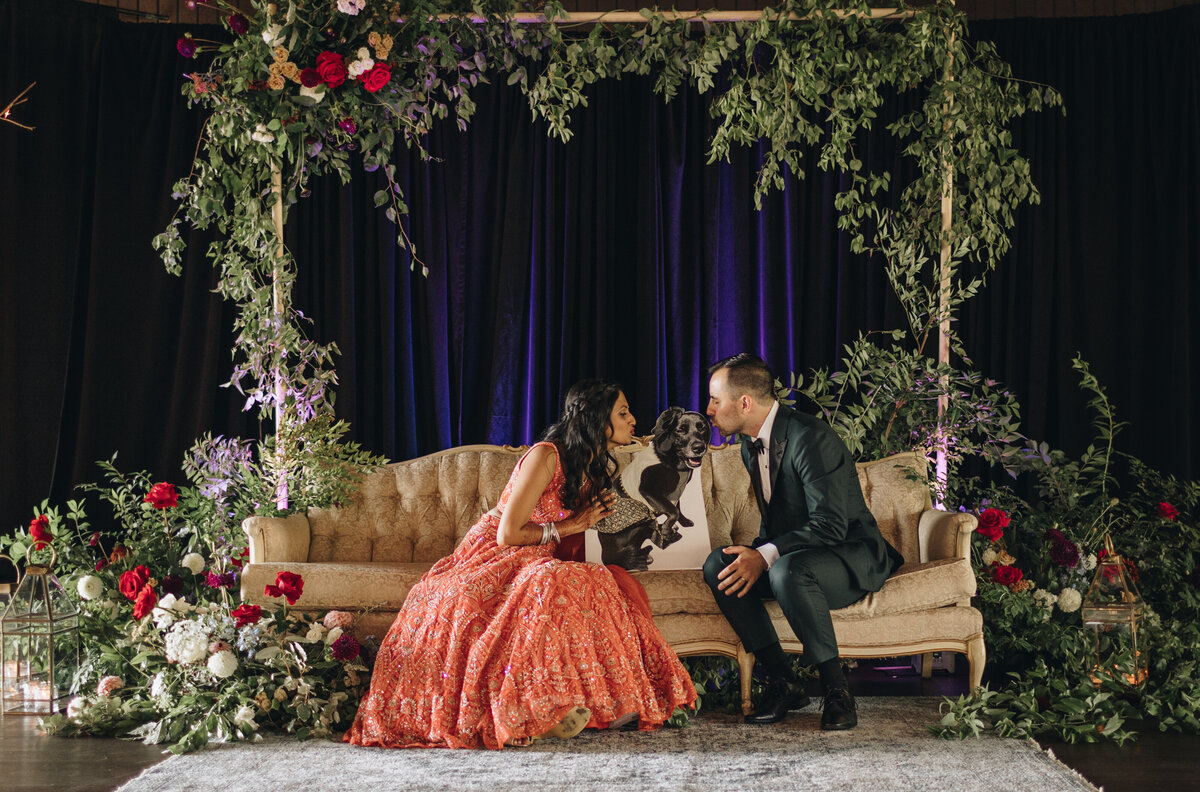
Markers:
{"x": 240, "y": 558}
{"x": 331, "y": 68}
{"x": 376, "y": 77}
{"x": 1006, "y": 575}
{"x": 1167, "y": 511}
{"x": 39, "y": 530}
{"x": 146, "y": 600}
{"x": 992, "y": 524}
{"x": 246, "y": 614}
{"x": 310, "y": 77}
{"x": 131, "y": 582}
{"x": 162, "y": 496}
{"x": 287, "y": 584}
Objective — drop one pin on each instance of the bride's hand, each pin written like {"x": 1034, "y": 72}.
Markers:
{"x": 587, "y": 517}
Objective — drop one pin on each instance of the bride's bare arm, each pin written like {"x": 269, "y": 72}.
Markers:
{"x": 537, "y": 471}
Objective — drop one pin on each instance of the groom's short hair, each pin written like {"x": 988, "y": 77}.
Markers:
{"x": 747, "y": 374}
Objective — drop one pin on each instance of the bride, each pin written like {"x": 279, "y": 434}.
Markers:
{"x": 502, "y": 642}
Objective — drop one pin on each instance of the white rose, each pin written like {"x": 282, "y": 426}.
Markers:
{"x": 222, "y": 664}
{"x": 158, "y": 685}
{"x": 163, "y": 617}
{"x": 261, "y": 134}
{"x": 359, "y": 66}
{"x": 194, "y": 563}
{"x": 315, "y": 632}
{"x": 89, "y": 587}
{"x": 1069, "y": 600}
{"x": 316, "y": 93}
{"x": 364, "y": 53}
{"x": 244, "y": 717}
{"x": 271, "y": 33}
{"x": 989, "y": 557}
{"x": 333, "y": 635}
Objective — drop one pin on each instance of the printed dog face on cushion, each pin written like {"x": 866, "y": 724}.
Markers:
{"x": 657, "y": 478}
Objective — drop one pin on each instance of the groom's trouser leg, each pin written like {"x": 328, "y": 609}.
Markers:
{"x": 807, "y": 584}
{"x": 747, "y": 615}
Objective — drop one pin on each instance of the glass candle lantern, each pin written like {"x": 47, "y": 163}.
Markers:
{"x": 39, "y": 644}
{"x": 1112, "y": 613}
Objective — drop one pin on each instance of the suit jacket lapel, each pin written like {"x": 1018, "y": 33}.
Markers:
{"x": 778, "y": 446}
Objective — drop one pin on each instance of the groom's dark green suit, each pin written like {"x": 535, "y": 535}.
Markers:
{"x": 831, "y": 552}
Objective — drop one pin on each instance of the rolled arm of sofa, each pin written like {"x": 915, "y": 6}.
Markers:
{"x": 278, "y": 539}
{"x": 944, "y": 534}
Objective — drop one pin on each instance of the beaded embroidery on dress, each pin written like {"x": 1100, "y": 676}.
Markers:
{"x": 496, "y": 644}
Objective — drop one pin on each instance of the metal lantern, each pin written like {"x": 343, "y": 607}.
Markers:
{"x": 39, "y": 643}
{"x": 1112, "y": 613}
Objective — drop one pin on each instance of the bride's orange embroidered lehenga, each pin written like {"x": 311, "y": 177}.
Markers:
{"x": 496, "y": 644}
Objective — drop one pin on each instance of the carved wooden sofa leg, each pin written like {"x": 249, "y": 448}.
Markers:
{"x": 745, "y": 661}
{"x": 976, "y": 659}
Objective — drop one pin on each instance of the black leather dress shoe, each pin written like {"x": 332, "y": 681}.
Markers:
{"x": 778, "y": 699}
{"x": 840, "y": 712}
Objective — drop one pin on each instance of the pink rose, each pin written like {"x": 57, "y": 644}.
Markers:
{"x": 992, "y": 524}
{"x": 338, "y": 619}
{"x": 332, "y": 69}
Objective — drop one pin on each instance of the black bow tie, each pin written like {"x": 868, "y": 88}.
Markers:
{"x": 755, "y": 444}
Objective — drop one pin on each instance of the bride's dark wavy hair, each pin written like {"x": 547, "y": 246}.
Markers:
{"x": 580, "y": 439}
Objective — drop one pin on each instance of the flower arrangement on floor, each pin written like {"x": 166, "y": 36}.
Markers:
{"x": 169, "y": 654}
{"x": 1034, "y": 563}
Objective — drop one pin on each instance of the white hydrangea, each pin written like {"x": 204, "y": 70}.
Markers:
{"x": 989, "y": 556}
{"x": 1069, "y": 600}
{"x": 89, "y": 587}
{"x": 186, "y": 643}
{"x": 244, "y": 717}
{"x": 193, "y": 562}
{"x": 222, "y": 664}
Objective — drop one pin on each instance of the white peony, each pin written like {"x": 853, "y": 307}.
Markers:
{"x": 163, "y": 615}
{"x": 244, "y": 717}
{"x": 333, "y": 635}
{"x": 186, "y": 643}
{"x": 315, "y": 633}
{"x": 222, "y": 664}
{"x": 316, "y": 93}
{"x": 989, "y": 556}
{"x": 89, "y": 587}
{"x": 194, "y": 563}
{"x": 1069, "y": 600}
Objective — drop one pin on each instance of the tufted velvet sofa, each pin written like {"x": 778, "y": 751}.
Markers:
{"x": 366, "y": 555}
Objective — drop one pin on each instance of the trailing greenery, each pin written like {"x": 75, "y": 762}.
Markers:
{"x": 308, "y": 89}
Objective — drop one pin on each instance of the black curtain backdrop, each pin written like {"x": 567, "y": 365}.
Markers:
{"x": 619, "y": 254}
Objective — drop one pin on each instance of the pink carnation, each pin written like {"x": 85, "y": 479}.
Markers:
{"x": 109, "y": 685}
{"x": 336, "y": 618}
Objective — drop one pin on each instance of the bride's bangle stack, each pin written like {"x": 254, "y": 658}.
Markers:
{"x": 550, "y": 533}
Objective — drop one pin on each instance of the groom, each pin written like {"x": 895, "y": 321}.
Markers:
{"x": 818, "y": 547}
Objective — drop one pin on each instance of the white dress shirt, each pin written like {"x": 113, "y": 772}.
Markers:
{"x": 768, "y": 551}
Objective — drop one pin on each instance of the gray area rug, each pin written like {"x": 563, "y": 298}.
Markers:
{"x": 891, "y": 750}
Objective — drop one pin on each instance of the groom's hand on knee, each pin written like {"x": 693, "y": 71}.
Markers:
{"x": 741, "y": 573}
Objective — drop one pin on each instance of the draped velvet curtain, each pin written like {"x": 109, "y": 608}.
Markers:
{"x": 619, "y": 254}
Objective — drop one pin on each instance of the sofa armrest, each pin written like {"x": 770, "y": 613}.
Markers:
{"x": 944, "y": 534}
{"x": 278, "y": 539}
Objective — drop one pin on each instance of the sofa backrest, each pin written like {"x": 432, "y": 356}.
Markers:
{"x": 418, "y": 510}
